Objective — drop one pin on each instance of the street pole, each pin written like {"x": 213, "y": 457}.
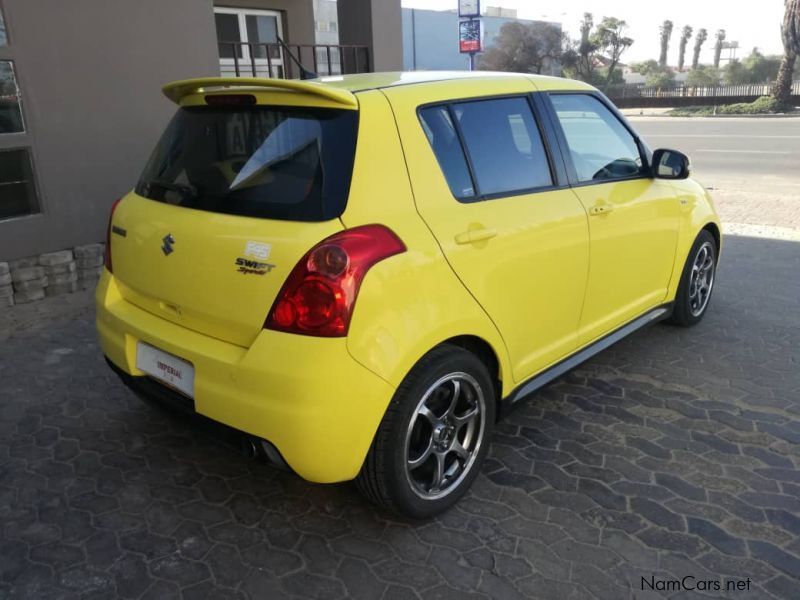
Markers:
{"x": 471, "y": 61}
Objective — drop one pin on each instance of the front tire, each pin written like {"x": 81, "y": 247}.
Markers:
{"x": 434, "y": 436}
{"x": 697, "y": 282}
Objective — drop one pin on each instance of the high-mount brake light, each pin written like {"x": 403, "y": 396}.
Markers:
{"x": 319, "y": 295}
{"x": 230, "y": 100}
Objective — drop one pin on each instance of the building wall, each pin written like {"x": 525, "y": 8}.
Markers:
{"x": 90, "y": 75}
{"x": 376, "y": 24}
{"x": 430, "y": 39}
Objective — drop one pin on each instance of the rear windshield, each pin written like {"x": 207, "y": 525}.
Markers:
{"x": 285, "y": 163}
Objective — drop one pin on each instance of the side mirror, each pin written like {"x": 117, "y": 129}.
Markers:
{"x": 670, "y": 164}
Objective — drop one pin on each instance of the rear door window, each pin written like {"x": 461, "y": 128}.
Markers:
{"x": 285, "y": 163}
{"x": 504, "y": 147}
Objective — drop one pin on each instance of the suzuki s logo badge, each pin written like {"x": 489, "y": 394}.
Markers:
{"x": 166, "y": 247}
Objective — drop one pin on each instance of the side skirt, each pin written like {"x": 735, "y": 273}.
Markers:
{"x": 542, "y": 379}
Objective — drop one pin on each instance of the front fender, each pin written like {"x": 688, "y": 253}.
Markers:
{"x": 697, "y": 213}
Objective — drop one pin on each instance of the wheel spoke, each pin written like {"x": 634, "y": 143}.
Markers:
{"x": 460, "y": 450}
{"x": 454, "y": 400}
{"x": 438, "y": 473}
{"x": 461, "y": 420}
{"x": 426, "y": 412}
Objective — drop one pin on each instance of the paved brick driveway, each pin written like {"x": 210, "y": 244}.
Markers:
{"x": 675, "y": 453}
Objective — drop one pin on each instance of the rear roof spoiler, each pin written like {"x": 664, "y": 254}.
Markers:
{"x": 177, "y": 90}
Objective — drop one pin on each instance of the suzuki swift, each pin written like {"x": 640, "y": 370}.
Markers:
{"x": 362, "y": 273}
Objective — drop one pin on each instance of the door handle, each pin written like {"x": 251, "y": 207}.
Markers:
{"x": 601, "y": 209}
{"x": 475, "y": 235}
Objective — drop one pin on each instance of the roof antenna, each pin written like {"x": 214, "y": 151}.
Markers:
{"x": 304, "y": 73}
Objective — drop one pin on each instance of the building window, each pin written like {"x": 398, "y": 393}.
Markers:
{"x": 3, "y": 35}
{"x": 10, "y": 112}
{"x": 248, "y": 40}
{"x": 17, "y": 188}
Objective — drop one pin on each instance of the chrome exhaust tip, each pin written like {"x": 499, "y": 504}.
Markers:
{"x": 250, "y": 448}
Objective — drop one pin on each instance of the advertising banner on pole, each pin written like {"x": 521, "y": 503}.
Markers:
{"x": 470, "y": 39}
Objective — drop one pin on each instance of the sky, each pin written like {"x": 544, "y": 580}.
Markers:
{"x": 751, "y": 24}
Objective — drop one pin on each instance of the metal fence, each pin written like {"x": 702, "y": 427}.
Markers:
{"x": 290, "y": 61}
{"x": 641, "y": 95}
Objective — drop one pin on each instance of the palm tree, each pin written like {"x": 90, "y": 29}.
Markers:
{"x": 699, "y": 40}
{"x": 666, "y": 34}
{"x": 686, "y": 35}
{"x": 791, "y": 49}
{"x": 721, "y": 35}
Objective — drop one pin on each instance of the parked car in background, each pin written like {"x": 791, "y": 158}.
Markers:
{"x": 363, "y": 273}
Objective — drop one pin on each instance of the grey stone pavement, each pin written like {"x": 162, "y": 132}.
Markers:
{"x": 675, "y": 453}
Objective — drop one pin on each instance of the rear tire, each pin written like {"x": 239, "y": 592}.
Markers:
{"x": 434, "y": 436}
{"x": 697, "y": 282}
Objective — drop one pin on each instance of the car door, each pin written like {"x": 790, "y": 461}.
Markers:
{"x": 485, "y": 184}
{"x": 633, "y": 218}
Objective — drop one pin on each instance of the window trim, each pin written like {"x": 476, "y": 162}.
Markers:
{"x": 645, "y": 154}
{"x": 15, "y": 135}
{"x": 557, "y": 175}
{"x": 4, "y": 19}
{"x": 37, "y": 207}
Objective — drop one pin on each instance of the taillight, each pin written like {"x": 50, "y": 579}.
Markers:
{"x": 320, "y": 293}
{"x": 107, "y": 255}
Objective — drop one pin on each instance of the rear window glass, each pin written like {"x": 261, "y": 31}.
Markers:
{"x": 283, "y": 163}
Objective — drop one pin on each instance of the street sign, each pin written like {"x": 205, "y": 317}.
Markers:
{"x": 470, "y": 39}
{"x": 469, "y": 9}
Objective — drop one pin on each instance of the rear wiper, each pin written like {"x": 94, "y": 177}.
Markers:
{"x": 186, "y": 190}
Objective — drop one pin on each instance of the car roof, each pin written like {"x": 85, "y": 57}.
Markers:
{"x": 340, "y": 90}
{"x": 370, "y": 81}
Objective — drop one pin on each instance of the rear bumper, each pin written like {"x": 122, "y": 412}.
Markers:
{"x": 305, "y": 395}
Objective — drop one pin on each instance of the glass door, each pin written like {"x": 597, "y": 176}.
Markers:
{"x": 242, "y": 37}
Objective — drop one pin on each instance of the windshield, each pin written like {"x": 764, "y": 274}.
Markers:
{"x": 287, "y": 163}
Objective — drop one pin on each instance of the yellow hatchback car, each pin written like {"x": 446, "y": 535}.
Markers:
{"x": 361, "y": 273}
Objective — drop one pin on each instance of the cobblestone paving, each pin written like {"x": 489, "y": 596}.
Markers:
{"x": 674, "y": 453}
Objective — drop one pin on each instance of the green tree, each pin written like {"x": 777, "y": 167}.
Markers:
{"x": 735, "y": 73}
{"x": 703, "y": 76}
{"x": 611, "y": 40}
{"x": 756, "y": 68}
{"x": 594, "y": 58}
{"x": 524, "y": 48}
{"x": 699, "y": 40}
{"x": 721, "y": 35}
{"x": 790, "y": 31}
{"x": 686, "y": 35}
{"x": 666, "y": 34}
{"x": 655, "y": 75}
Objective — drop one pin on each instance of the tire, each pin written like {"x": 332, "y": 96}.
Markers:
{"x": 691, "y": 301}
{"x": 400, "y": 470}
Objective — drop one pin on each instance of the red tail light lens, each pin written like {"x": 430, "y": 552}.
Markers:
{"x": 320, "y": 293}
{"x": 107, "y": 255}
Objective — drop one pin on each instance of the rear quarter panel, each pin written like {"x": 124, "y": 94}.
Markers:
{"x": 413, "y": 301}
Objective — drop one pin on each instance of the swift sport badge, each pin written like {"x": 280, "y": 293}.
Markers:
{"x": 253, "y": 267}
{"x": 166, "y": 247}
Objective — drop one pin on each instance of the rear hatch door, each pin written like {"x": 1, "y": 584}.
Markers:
{"x": 232, "y": 198}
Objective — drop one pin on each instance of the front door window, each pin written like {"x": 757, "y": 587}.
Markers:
{"x": 248, "y": 42}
